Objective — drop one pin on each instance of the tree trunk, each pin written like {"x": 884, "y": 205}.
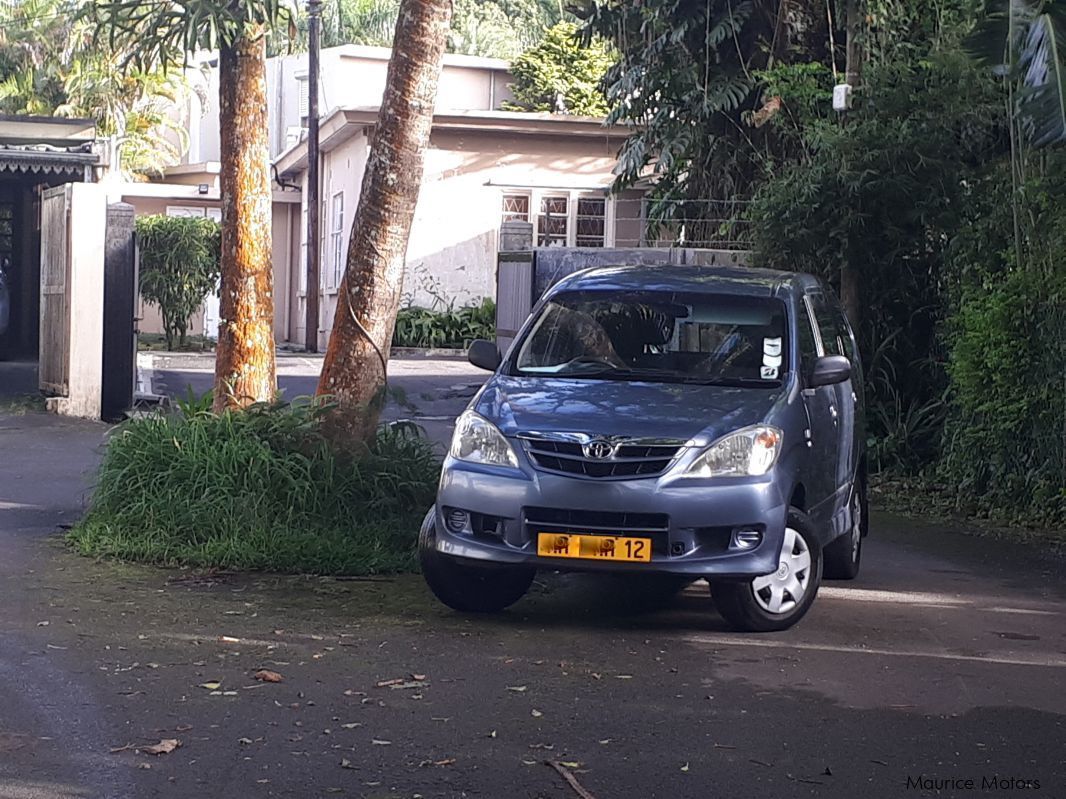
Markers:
{"x": 353, "y": 372}
{"x": 244, "y": 358}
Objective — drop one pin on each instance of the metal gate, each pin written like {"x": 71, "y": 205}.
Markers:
{"x": 54, "y": 366}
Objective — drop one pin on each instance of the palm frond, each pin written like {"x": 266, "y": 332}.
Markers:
{"x": 1042, "y": 98}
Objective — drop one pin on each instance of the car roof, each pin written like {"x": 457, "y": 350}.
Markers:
{"x": 739, "y": 280}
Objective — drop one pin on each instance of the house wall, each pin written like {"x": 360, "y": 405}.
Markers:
{"x": 453, "y": 246}
{"x": 451, "y": 255}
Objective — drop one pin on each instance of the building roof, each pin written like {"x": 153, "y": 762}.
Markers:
{"x": 47, "y": 145}
{"x": 342, "y": 123}
{"x": 56, "y": 131}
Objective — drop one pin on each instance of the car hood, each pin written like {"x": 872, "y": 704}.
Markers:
{"x": 622, "y": 408}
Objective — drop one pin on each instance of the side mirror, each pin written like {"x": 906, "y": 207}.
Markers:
{"x": 484, "y": 355}
{"x": 829, "y": 370}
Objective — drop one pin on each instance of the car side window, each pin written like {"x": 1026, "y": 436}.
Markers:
{"x": 808, "y": 346}
{"x": 847, "y": 343}
{"x": 824, "y": 321}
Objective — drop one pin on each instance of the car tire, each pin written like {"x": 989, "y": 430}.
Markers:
{"x": 467, "y": 586}
{"x": 749, "y": 605}
{"x": 844, "y": 555}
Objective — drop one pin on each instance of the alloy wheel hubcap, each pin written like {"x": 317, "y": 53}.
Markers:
{"x": 783, "y": 590}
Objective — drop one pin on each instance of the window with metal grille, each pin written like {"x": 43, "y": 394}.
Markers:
{"x": 591, "y": 221}
{"x": 553, "y": 221}
{"x": 515, "y": 207}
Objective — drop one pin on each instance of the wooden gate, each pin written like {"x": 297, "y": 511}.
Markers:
{"x": 54, "y": 366}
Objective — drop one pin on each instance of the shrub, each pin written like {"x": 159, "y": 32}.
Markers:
{"x": 258, "y": 489}
{"x": 179, "y": 267}
{"x": 561, "y": 74}
{"x": 450, "y": 328}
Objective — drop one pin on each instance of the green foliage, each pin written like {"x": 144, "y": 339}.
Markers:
{"x": 162, "y": 35}
{"x": 447, "y": 328}
{"x": 1005, "y": 446}
{"x": 684, "y": 82}
{"x": 179, "y": 267}
{"x": 562, "y": 74}
{"x": 887, "y": 192}
{"x": 491, "y": 28}
{"x": 51, "y": 65}
{"x": 1025, "y": 40}
{"x": 258, "y": 489}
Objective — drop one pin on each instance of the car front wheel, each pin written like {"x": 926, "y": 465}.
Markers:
{"x": 778, "y": 600}
{"x": 469, "y": 587}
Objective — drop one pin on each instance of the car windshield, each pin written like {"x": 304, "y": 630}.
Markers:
{"x": 657, "y": 336}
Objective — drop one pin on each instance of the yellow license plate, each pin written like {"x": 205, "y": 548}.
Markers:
{"x": 593, "y": 547}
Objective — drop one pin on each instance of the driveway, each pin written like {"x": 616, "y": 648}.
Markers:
{"x": 429, "y": 391}
{"x": 946, "y": 660}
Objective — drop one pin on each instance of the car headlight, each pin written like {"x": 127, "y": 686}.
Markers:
{"x": 477, "y": 440}
{"x": 751, "y": 451}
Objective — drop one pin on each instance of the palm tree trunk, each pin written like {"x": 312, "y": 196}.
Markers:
{"x": 354, "y": 369}
{"x": 244, "y": 360}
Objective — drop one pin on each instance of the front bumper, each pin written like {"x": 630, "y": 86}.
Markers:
{"x": 691, "y": 521}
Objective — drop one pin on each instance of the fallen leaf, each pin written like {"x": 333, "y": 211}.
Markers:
{"x": 623, "y": 676}
{"x": 245, "y": 741}
{"x": 492, "y": 734}
{"x": 183, "y": 728}
{"x": 164, "y": 747}
{"x": 351, "y": 725}
{"x": 144, "y": 765}
{"x": 379, "y": 742}
{"x": 418, "y": 677}
{"x": 266, "y": 675}
{"x": 387, "y": 683}
{"x": 516, "y": 688}
{"x": 346, "y": 763}
{"x": 213, "y": 685}
{"x": 571, "y": 764}
{"x": 606, "y": 741}
{"x": 125, "y": 748}
{"x": 685, "y": 767}
{"x": 536, "y": 713}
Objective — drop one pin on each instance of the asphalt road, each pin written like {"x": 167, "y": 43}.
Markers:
{"x": 945, "y": 660}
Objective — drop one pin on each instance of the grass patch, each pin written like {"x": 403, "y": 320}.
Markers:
{"x": 260, "y": 489}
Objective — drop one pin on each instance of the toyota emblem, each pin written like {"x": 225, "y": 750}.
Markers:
{"x": 599, "y": 449}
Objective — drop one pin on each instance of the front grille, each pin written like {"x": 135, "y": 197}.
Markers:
{"x": 597, "y": 521}
{"x": 631, "y": 458}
